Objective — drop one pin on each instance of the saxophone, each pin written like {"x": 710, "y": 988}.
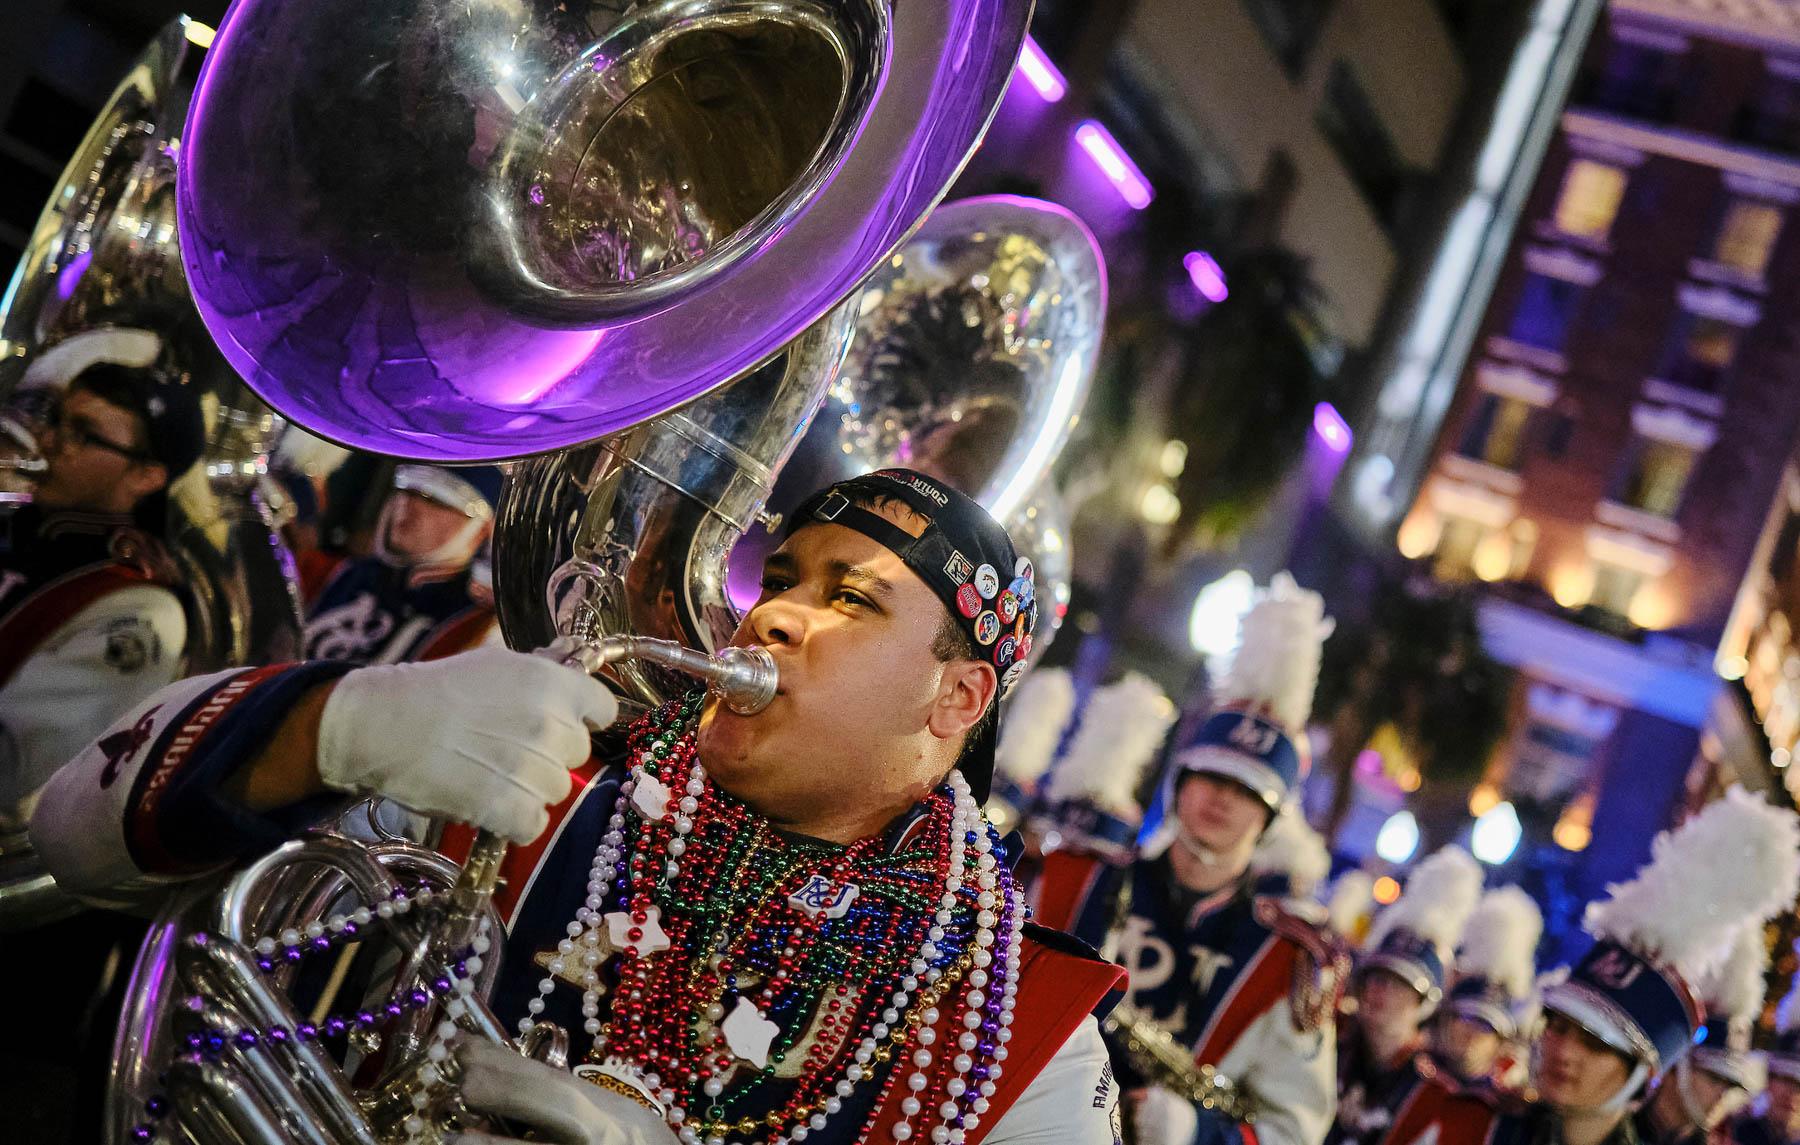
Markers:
{"x": 1155, "y": 1053}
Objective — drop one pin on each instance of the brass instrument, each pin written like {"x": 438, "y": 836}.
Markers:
{"x": 1156, "y": 1054}
{"x": 104, "y": 262}
{"x": 101, "y": 279}
{"x": 474, "y": 232}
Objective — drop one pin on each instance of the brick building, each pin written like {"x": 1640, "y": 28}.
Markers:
{"x": 1621, "y": 429}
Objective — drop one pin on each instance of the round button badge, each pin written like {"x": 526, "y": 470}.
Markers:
{"x": 987, "y": 581}
{"x": 1008, "y": 648}
{"x": 1007, "y": 606}
{"x": 1021, "y": 587}
{"x": 987, "y": 628}
{"x": 1024, "y": 569}
{"x": 968, "y": 601}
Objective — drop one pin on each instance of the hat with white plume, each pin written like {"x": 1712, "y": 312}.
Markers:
{"x": 1413, "y": 939}
{"x": 1030, "y": 730}
{"x": 1735, "y": 861}
{"x": 1496, "y": 964}
{"x": 1092, "y": 790}
{"x": 1290, "y": 857}
{"x": 1732, "y": 993}
{"x": 1257, "y": 735}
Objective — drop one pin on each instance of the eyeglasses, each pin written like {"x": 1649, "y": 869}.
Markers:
{"x": 80, "y": 433}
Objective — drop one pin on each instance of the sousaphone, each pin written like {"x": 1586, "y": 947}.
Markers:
{"x": 479, "y": 231}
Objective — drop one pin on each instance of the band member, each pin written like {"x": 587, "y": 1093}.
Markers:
{"x": 417, "y": 596}
{"x": 791, "y": 924}
{"x": 1625, "y": 1014}
{"x": 1695, "y": 1100}
{"x": 1244, "y": 981}
{"x": 1399, "y": 983}
{"x": 92, "y": 620}
{"x": 1777, "y": 1122}
{"x": 1475, "y": 1037}
{"x": 91, "y": 617}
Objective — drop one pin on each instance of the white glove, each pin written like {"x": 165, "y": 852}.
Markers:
{"x": 553, "y": 1103}
{"x": 1162, "y": 1118}
{"x": 486, "y": 737}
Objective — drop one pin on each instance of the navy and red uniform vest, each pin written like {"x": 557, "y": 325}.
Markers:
{"x": 370, "y": 612}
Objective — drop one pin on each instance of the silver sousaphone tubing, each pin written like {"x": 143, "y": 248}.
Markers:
{"x": 468, "y": 232}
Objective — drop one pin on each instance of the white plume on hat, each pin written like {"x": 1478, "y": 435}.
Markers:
{"x": 307, "y": 453}
{"x": 1122, "y": 726}
{"x": 1734, "y": 988}
{"x": 1276, "y": 663}
{"x": 1352, "y": 897}
{"x": 120, "y": 345}
{"x": 1291, "y": 847}
{"x": 1735, "y": 860}
{"x": 1033, "y": 724}
{"x": 1438, "y": 899}
{"x": 1499, "y": 942}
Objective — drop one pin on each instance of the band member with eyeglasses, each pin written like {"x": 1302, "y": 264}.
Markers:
{"x": 796, "y": 924}
{"x": 1626, "y": 1014}
{"x": 1246, "y": 982}
{"x": 91, "y": 620}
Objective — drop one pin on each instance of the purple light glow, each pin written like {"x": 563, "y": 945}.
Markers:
{"x": 69, "y": 277}
{"x": 1117, "y": 166}
{"x": 1208, "y": 279}
{"x": 1037, "y": 69}
{"x": 1331, "y": 427}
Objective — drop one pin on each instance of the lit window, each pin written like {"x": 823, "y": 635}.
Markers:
{"x": 1747, "y": 236}
{"x": 1455, "y": 555}
{"x": 1591, "y": 193}
{"x": 1657, "y": 477}
{"x": 1700, "y": 351}
{"x": 1497, "y": 433}
{"x": 1614, "y": 587}
{"x": 1546, "y": 307}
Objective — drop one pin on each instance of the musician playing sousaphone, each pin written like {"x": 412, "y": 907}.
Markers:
{"x": 1244, "y": 982}
{"x": 796, "y": 924}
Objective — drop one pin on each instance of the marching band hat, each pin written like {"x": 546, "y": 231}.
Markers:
{"x": 1735, "y": 861}
{"x": 1257, "y": 735}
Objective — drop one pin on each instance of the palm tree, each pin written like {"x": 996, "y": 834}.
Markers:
{"x": 1416, "y": 661}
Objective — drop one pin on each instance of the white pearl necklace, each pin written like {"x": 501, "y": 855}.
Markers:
{"x": 582, "y": 944}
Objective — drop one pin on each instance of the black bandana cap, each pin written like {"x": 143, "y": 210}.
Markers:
{"x": 964, "y": 556}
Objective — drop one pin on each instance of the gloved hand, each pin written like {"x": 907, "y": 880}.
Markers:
{"x": 486, "y": 737}
{"x": 553, "y": 1103}
{"x": 1162, "y": 1118}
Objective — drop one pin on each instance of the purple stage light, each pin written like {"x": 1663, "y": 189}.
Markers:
{"x": 1038, "y": 71}
{"x": 1117, "y": 166}
{"x": 1331, "y": 427}
{"x": 1208, "y": 279}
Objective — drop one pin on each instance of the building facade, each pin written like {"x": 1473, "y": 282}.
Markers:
{"x": 1621, "y": 431}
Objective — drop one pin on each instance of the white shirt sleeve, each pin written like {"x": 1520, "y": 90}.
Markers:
{"x": 1074, "y": 1099}
{"x": 1293, "y": 1075}
{"x": 96, "y": 666}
